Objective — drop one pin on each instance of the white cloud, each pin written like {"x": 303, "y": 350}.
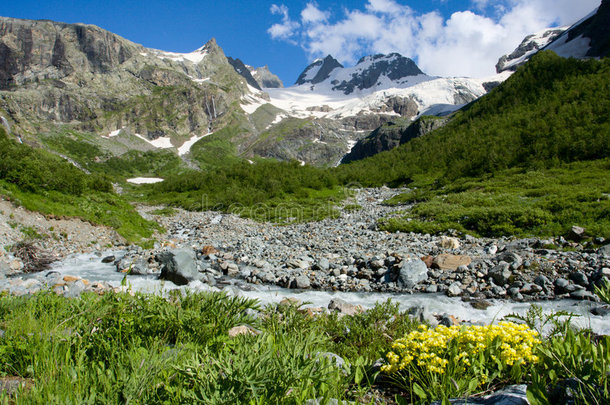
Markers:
{"x": 287, "y": 28}
{"x": 312, "y": 14}
{"x": 467, "y": 43}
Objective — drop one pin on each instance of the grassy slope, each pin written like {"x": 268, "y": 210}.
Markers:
{"x": 277, "y": 191}
{"x": 530, "y": 158}
{"x": 514, "y": 202}
{"x": 551, "y": 111}
{"x": 144, "y": 349}
{"x": 43, "y": 182}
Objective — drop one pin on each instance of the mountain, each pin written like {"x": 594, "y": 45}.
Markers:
{"x": 318, "y": 71}
{"x": 63, "y": 86}
{"x": 392, "y": 134}
{"x": 589, "y": 37}
{"x": 56, "y": 77}
{"x": 244, "y": 72}
{"x": 375, "y": 71}
{"x": 528, "y": 47}
{"x": 553, "y": 110}
{"x": 265, "y": 78}
{"x": 320, "y": 119}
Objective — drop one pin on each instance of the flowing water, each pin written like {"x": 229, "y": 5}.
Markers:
{"x": 90, "y": 267}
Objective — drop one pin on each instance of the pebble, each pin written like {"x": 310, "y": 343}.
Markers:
{"x": 348, "y": 253}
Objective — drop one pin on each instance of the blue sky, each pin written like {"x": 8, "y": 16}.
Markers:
{"x": 445, "y": 37}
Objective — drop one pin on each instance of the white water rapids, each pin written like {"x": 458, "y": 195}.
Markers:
{"x": 90, "y": 267}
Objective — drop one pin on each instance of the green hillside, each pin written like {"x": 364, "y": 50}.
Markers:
{"x": 551, "y": 111}
{"x": 529, "y": 158}
{"x": 41, "y": 181}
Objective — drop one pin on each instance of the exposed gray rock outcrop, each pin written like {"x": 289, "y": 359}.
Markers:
{"x": 52, "y": 74}
{"x": 391, "y": 135}
{"x": 243, "y": 71}
{"x": 265, "y": 78}
{"x": 393, "y": 66}
{"x": 318, "y": 71}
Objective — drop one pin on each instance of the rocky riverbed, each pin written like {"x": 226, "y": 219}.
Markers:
{"x": 346, "y": 254}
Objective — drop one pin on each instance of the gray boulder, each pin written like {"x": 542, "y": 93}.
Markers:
{"x": 513, "y": 259}
{"x": 178, "y": 266}
{"x": 604, "y": 250}
{"x": 344, "y": 307}
{"x": 412, "y": 272}
{"x": 334, "y": 359}
{"x": 423, "y": 315}
{"x": 301, "y": 282}
{"x": 454, "y": 289}
{"x": 108, "y": 259}
{"x": 579, "y": 278}
{"x": 511, "y": 395}
{"x": 501, "y": 273}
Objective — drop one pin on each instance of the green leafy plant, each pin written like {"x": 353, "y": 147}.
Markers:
{"x": 571, "y": 365}
{"x": 603, "y": 291}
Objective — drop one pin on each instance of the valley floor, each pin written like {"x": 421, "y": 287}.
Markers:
{"x": 347, "y": 253}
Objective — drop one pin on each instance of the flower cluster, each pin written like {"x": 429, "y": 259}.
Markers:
{"x": 434, "y": 350}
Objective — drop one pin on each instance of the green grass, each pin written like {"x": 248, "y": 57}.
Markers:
{"x": 268, "y": 190}
{"x": 551, "y": 111}
{"x": 30, "y": 232}
{"x": 158, "y": 163}
{"x": 217, "y": 150}
{"x": 143, "y": 349}
{"x": 43, "y": 182}
{"x": 166, "y": 211}
{"x": 96, "y": 207}
{"x": 514, "y": 202}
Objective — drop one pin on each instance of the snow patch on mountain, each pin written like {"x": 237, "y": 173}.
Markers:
{"x": 160, "y": 143}
{"x": 576, "y": 48}
{"x": 145, "y": 180}
{"x": 196, "y": 56}
{"x": 252, "y": 100}
{"x": 302, "y": 102}
{"x": 186, "y": 146}
{"x": 114, "y": 133}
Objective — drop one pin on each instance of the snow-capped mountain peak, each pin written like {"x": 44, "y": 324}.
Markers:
{"x": 371, "y": 73}
{"x": 318, "y": 71}
{"x": 586, "y": 38}
{"x": 529, "y": 46}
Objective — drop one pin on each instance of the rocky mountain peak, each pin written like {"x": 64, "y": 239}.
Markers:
{"x": 589, "y": 37}
{"x": 265, "y": 78}
{"x": 529, "y": 46}
{"x": 319, "y": 70}
{"x": 210, "y": 46}
{"x": 373, "y": 70}
{"x": 244, "y": 72}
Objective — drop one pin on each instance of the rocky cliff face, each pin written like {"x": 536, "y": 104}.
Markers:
{"x": 81, "y": 75}
{"x": 391, "y": 135}
{"x": 528, "y": 47}
{"x": 244, "y": 72}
